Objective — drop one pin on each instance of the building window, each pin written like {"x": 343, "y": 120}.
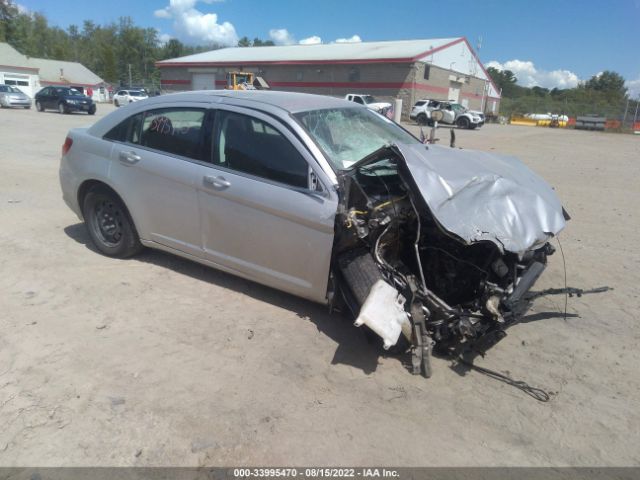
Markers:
{"x": 427, "y": 71}
{"x": 354, "y": 74}
{"x": 22, "y": 83}
{"x": 300, "y": 75}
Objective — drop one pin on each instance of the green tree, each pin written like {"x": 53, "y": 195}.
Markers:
{"x": 8, "y": 13}
{"x": 609, "y": 83}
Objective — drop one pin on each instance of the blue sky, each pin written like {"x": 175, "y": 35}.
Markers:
{"x": 550, "y": 43}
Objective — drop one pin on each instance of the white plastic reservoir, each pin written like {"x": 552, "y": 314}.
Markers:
{"x": 383, "y": 312}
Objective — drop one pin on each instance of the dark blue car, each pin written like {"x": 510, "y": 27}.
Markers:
{"x": 65, "y": 100}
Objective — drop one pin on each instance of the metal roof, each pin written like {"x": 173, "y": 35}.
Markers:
{"x": 73, "y": 73}
{"x": 58, "y": 71}
{"x": 364, "y": 52}
{"x": 10, "y": 57}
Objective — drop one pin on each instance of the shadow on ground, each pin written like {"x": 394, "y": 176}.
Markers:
{"x": 355, "y": 347}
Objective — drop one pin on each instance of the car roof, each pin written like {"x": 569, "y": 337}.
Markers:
{"x": 289, "y": 101}
{"x": 280, "y": 104}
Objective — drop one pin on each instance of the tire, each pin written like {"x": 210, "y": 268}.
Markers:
{"x": 92, "y": 110}
{"x": 61, "y": 108}
{"x": 109, "y": 224}
{"x": 115, "y": 102}
{"x": 422, "y": 119}
{"x": 463, "y": 122}
{"x": 39, "y": 107}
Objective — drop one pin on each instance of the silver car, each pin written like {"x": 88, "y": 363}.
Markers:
{"x": 426, "y": 246}
{"x": 11, "y": 96}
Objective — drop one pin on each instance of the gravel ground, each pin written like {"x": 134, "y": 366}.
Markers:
{"x": 160, "y": 361}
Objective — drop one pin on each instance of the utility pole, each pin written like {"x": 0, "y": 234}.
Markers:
{"x": 635, "y": 115}
{"x": 129, "y": 75}
{"x": 626, "y": 109}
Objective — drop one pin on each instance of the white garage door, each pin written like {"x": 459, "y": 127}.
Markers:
{"x": 203, "y": 81}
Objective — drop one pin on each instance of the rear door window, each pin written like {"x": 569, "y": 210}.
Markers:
{"x": 179, "y": 131}
{"x": 249, "y": 145}
{"x": 127, "y": 131}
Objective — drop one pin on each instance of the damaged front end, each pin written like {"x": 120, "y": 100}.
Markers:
{"x": 436, "y": 248}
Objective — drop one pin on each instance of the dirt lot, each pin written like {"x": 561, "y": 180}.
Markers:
{"x": 159, "y": 361}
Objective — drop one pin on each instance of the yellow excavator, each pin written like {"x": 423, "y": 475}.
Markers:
{"x": 245, "y": 81}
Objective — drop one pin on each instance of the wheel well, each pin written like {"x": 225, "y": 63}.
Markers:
{"x": 88, "y": 185}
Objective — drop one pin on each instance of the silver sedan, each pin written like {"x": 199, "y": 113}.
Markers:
{"x": 11, "y": 96}
{"x": 428, "y": 247}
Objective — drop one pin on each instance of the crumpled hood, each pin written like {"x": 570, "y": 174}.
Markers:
{"x": 482, "y": 196}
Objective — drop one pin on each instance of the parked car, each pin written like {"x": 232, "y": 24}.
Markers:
{"x": 65, "y": 100}
{"x": 369, "y": 101}
{"x": 453, "y": 114}
{"x": 323, "y": 199}
{"x": 11, "y": 96}
{"x": 123, "y": 97}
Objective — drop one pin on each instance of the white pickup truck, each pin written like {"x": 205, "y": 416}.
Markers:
{"x": 369, "y": 101}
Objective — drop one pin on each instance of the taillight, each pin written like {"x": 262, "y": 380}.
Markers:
{"x": 67, "y": 145}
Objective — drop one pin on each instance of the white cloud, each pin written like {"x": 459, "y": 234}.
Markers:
{"x": 162, "y": 13}
{"x": 193, "y": 25}
{"x": 313, "y": 40}
{"x": 281, "y": 36}
{"x": 163, "y": 38}
{"x": 529, "y": 76}
{"x": 353, "y": 39}
{"x": 22, "y": 9}
{"x": 633, "y": 87}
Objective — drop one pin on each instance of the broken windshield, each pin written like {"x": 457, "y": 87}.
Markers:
{"x": 346, "y": 135}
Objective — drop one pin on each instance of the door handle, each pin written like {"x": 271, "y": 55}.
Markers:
{"x": 217, "y": 182}
{"x": 130, "y": 158}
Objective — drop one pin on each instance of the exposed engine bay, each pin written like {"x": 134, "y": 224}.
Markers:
{"x": 414, "y": 283}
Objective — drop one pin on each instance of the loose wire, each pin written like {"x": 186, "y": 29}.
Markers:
{"x": 534, "y": 392}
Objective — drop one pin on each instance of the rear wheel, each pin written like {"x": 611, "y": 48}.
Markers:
{"x": 463, "y": 122}
{"x": 422, "y": 119}
{"x": 109, "y": 225}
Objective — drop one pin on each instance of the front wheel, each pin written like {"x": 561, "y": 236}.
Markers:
{"x": 109, "y": 225}
{"x": 115, "y": 102}
{"x": 463, "y": 122}
{"x": 92, "y": 110}
{"x": 61, "y": 108}
{"x": 39, "y": 107}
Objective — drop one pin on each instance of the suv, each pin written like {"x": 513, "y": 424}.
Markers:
{"x": 122, "y": 97}
{"x": 369, "y": 101}
{"x": 65, "y": 100}
{"x": 454, "y": 114}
